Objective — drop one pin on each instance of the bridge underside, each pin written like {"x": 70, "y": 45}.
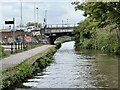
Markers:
{"x": 54, "y": 36}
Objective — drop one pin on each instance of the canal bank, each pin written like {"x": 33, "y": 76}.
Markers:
{"x": 20, "y": 70}
{"x": 75, "y": 69}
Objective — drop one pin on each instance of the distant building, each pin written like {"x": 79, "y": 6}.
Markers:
{"x": 7, "y": 36}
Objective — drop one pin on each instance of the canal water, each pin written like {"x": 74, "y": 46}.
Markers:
{"x": 76, "y": 69}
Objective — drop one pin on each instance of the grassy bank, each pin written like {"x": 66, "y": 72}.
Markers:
{"x": 104, "y": 39}
{"x": 27, "y": 68}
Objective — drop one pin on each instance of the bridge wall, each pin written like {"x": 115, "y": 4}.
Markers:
{"x": 57, "y": 31}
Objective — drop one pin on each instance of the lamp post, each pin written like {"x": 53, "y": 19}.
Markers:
{"x": 62, "y": 23}
{"x": 67, "y": 22}
{"x": 13, "y": 35}
{"x": 37, "y": 17}
{"x": 46, "y": 17}
{"x": 21, "y": 14}
{"x": 34, "y": 14}
{"x": 22, "y": 46}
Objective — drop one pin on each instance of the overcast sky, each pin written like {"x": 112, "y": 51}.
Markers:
{"x": 56, "y": 11}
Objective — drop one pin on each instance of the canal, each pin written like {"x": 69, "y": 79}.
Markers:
{"x": 76, "y": 69}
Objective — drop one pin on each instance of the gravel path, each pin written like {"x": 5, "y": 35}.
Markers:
{"x": 16, "y": 59}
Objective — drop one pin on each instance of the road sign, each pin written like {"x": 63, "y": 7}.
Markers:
{"x": 18, "y": 40}
{"x": 9, "y": 22}
{"x": 28, "y": 39}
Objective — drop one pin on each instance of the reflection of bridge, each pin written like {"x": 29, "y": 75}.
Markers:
{"x": 56, "y": 30}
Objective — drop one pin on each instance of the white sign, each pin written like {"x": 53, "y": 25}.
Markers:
{"x": 10, "y": 40}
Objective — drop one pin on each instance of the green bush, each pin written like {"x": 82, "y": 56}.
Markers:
{"x": 27, "y": 68}
{"x": 116, "y": 48}
{"x": 3, "y": 53}
{"x": 87, "y": 44}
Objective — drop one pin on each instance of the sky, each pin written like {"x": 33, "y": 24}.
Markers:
{"x": 57, "y": 11}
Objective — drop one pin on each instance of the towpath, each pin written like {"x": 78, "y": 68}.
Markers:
{"x": 16, "y": 59}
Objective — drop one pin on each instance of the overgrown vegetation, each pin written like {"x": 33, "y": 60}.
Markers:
{"x": 101, "y": 29}
{"x": 3, "y": 53}
{"x": 27, "y": 68}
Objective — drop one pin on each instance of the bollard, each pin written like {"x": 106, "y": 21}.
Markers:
{"x": 24, "y": 46}
{"x": 21, "y": 46}
{"x": 11, "y": 48}
{"x": 15, "y": 46}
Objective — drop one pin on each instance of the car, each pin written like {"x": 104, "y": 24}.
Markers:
{"x": 30, "y": 28}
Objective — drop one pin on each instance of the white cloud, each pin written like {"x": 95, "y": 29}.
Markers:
{"x": 56, "y": 11}
{"x": 39, "y": 0}
{"x": 73, "y": 16}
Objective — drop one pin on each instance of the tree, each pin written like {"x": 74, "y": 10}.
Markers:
{"x": 103, "y": 13}
{"x": 34, "y": 24}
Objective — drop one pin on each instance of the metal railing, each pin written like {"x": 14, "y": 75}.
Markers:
{"x": 61, "y": 25}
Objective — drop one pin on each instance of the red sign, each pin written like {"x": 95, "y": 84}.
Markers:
{"x": 28, "y": 39}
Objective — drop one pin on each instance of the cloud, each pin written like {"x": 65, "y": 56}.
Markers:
{"x": 74, "y": 16}
{"x": 56, "y": 11}
{"x": 38, "y": 0}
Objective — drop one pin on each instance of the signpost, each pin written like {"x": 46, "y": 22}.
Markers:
{"x": 9, "y": 22}
{"x": 19, "y": 41}
{"x": 12, "y": 22}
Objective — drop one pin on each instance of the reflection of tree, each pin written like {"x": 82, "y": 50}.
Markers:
{"x": 102, "y": 68}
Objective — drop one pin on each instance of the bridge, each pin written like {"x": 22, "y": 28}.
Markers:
{"x": 55, "y": 31}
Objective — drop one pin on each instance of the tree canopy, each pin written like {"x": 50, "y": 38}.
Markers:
{"x": 103, "y": 13}
{"x": 33, "y": 24}
{"x": 101, "y": 28}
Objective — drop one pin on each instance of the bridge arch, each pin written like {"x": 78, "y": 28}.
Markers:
{"x": 53, "y": 37}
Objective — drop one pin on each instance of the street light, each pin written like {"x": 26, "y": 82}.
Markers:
{"x": 67, "y": 22}
{"x": 37, "y": 16}
{"x": 21, "y": 26}
{"x": 46, "y": 17}
{"x": 21, "y": 14}
{"x": 62, "y": 23}
{"x": 34, "y": 13}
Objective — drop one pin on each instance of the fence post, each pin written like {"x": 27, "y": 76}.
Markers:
{"x": 11, "y": 48}
{"x": 15, "y": 46}
{"x": 21, "y": 46}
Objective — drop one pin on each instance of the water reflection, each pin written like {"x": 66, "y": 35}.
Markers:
{"x": 78, "y": 69}
{"x": 104, "y": 68}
